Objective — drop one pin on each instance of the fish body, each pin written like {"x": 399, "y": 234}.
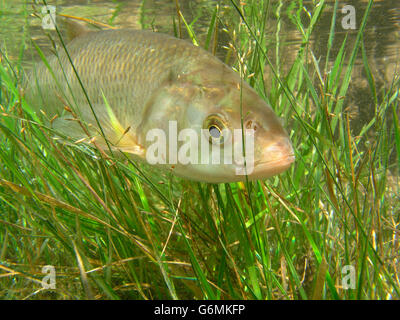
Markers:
{"x": 139, "y": 82}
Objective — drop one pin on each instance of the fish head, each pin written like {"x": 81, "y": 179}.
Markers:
{"x": 222, "y": 131}
{"x": 272, "y": 151}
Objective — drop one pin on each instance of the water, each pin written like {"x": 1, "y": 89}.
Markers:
{"x": 382, "y": 34}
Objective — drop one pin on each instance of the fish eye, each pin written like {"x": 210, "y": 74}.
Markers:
{"x": 214, "y": 125}
{"x": 215, "y": 132}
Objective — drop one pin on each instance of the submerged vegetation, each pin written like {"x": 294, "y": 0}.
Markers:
{"x": 114, "y": 230}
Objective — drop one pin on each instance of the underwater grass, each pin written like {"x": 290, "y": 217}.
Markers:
{"x": 114, "y": 229}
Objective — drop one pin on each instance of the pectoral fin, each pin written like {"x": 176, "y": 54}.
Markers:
{"x": 112, "y": 134}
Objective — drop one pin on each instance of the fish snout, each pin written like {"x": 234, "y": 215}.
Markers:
{"x": 281, "y": 150}
{"x": 274, "y": 159}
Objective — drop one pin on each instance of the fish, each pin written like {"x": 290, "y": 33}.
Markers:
{"x": 151, "y": 95}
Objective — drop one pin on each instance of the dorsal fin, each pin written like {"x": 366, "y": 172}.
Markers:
{"x": 72, "y": 28}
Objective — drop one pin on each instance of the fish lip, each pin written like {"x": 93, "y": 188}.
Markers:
{"x": 266, "y": 169}
{"x": 289, "y": 159}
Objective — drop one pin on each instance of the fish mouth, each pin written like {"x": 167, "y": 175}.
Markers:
{"x": 270, "y": 168}
{"x": 277, "y": 158}
{"x": 265, "y": 169}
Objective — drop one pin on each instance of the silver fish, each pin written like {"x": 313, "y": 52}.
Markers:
{"x": 140, "y": 81}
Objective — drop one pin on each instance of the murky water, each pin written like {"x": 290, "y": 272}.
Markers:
{"x": 382, "y": 34}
